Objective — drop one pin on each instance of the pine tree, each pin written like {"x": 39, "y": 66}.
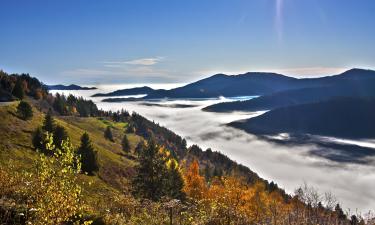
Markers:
{"x": 59, "y": 135}
{"x": 174, "y": 182}
{"x": 24, "y": 110}
{"x": 108, "y": 133}
{"x": 125, "y": 144}
{"x": 18, "y": 90}
{"x": 149, "y": 181}
{"x": 88, "y": 155}
{"x": 38, "y": 139}
{"x": 49, "y": 122}
{"x": 139, "y": 148}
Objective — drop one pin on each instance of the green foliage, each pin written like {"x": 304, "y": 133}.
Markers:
{"x": 158, "y": 175}
{"x": 59, "y": 135}
{"x": 24, "y": 110}
{"x": 49, "y": 122}
{"x": 108, "y": 133}
{"x": 18, "y": 90}
{"x": 148, "y": 183}
{"x": 174, "y": 182}
{"x": 38, "y": 139}
{"x": 125, "y": 144}
{"x": 88, "y": 155}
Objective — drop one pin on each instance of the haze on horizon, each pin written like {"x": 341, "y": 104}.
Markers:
{"x": 88, "y": 42}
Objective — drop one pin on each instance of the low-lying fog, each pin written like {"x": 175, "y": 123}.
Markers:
{"x": 289, "y": 166}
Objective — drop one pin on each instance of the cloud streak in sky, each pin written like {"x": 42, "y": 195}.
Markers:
{"x": 279, "y": 19}
{"x": 137, "y": 62}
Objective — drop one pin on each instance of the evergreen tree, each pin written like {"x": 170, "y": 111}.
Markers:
{"x": 49, "y": 122}
{"x": 18, "y": 89}
{"x": 149, "y": 181}
{"x": 174, "y": 182}
{"x": 59, "y": 135}
{"x": 88, "y": 155}
{"x": 24, "y": 110}
{"x": 108, "y": 133}
{"x": 38, "y": 139}
{"x": 125, "y": 144}
{"x": 139, "y": 148}
{"x": 354, "y": 220}
{"x": 130, "y": 128}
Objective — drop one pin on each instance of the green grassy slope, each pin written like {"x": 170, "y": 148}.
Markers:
{"x": 115, "y": 167}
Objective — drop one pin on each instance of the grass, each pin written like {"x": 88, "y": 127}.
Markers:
{"x": 115, "y": 167}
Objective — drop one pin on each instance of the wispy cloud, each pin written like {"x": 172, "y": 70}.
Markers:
{"x": 279, "y": 18}
{"x": 139, "y": 62}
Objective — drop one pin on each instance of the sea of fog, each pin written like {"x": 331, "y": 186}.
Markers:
{"x": 289, "y": 166}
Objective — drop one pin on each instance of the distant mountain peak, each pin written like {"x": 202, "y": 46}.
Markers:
{"x": 358, "y": 71}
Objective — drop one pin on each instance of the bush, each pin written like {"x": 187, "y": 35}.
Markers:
{"x": 24, "y": 110}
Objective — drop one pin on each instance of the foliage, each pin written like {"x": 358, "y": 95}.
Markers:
{"x": 174, "y": 184}
{"x": 38, "y": 139}
{"x": 49, "y": 123}
{"x": 148, "y": 183}
{"x": 125, "y": 144}
{"x": 195, "y": 185}
{"x": 88, "y": 155}
{"x": 18, "y": 90}
{"x": 108, "y": 134}
{"x": 59, "y": 135}
{"x": 49, "y": 191}
{"x": 24, "y": 110}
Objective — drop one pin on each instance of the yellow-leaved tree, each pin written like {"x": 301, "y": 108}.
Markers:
{"x": 50, "y": 190}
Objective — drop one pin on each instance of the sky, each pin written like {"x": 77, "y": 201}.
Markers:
{"x": 175, "y": 41}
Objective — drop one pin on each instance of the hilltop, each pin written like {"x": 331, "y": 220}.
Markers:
{"x": 352, "y": 83}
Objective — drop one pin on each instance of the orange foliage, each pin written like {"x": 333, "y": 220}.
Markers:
{"x": 195, "y": 184}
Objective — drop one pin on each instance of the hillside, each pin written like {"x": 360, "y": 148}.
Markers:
{"x": 352, "y": 83}
{"x": 115, "y": 168}
{"x": 339, "y": 117}
{"x": 229, "y": 86}
{"x": 131, "y": 91}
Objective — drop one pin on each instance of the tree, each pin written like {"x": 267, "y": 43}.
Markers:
{"x": 88, "y": 155}
{"x": 24, "y": 110}
{"x": 149, "y": 181}
{"x": 125, "y": 144}
{"x": 38, "y": 139}
{"x": 18, "y": 90}
{"x": 139, "y": 148}
{"x": 59, "y": 135}
{"x": 49, "y": 122}
{"x": 53, "y": 190}
{"x": 174, "y": 182}
{"x": 130, "y": 128}
{"x": 108, "y": 133}
{"x": 195, "y": 184}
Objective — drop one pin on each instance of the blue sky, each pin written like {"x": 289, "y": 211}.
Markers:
{"x": 91, "y": 42}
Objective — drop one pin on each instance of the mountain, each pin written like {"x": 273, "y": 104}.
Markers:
{"x": 352, "y": 83}
{"x": 131, "y": 91}
{"x": 68, "y": 87}
{"x": 229, "y": 86}
{"x": 338, "y": 117}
